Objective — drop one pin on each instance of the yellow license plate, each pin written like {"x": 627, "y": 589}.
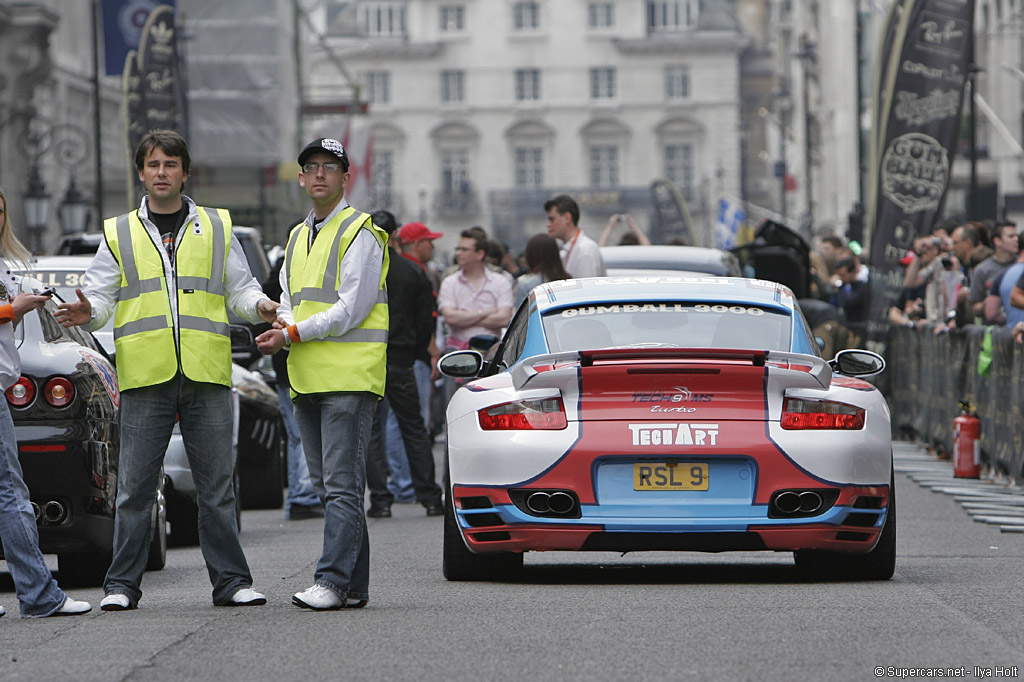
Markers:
{"x": 670, "y": 476}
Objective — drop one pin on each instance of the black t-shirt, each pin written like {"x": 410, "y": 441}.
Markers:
{"x": 168, "y": 224}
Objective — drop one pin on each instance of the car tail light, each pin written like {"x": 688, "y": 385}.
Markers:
{"x": 798, "y": 413}
{"x": 542, "y": 413}
{"x": 59, "y": 392}
{"x": 21, "y": 393}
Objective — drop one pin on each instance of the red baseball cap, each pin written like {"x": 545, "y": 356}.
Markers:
{"x": 413, "y": 232}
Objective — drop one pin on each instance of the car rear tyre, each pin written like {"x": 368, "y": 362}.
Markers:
{"x": 878, "y": 564}
{"x": 183, "y": 515}
{"x": 460, "y": 564}
{"x": 83, "y": 570}
{"x": 158, "y": 544}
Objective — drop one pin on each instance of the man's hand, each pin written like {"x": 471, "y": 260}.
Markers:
{"x": 270, "y": 341}
{"x": 267, "y": 310}
{"x": 1018, "y": 332}
{"x": 75, "y": 313}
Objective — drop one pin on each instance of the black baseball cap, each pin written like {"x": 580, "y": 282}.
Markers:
{"x": 324, "y": 144}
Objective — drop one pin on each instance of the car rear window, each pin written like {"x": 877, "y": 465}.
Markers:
{"x": 682, "y": 325}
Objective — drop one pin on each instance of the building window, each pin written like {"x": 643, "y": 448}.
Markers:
{"x": 378, "y": 87}
{"x": 527, "y": 85}
{"x": 382, "y": 188}
{"x": 604, "y": 166}
{"x": 453, "y": 18}
{"x": 601, "y": 14}
{"x": 677, "y": 82}
{"x": 671, "y": 15}
{"x": 679, "y": 168}
{"x": 455, "y": 188}
{"x": 529, "y": 166}
{"x": 383, "y": 18}
{"x": 602, "y": 83}
{"x": 452, "y": 87}
{"x": 526, "y": 16}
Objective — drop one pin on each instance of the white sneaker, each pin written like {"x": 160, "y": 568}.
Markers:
{"x": 116, "y": 601}
{"x": 2, "y": 611}
{"x": 247, "y": 597}
{"x": 320, "y": 598}
{"x": 73, "y": 607}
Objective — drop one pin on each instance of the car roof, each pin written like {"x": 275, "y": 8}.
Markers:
{"x": 669, "y": 257}
{"x": 61, "y": 262}
{"x": 701, "y": 288}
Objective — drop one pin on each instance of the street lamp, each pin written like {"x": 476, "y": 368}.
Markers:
{"x": 73, "y": 211}
{"x": 37, "y": 207}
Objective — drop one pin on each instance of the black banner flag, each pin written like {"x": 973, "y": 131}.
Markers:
{"x": 922, "y": 70}
{"x": 152, "y": 88}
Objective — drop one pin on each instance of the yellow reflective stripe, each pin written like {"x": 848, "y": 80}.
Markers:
{"x": 330, "y": 281}
{"x": 200, "y": 284}
{"x": 146, "y": 324}
{"x": 329, "y": 297}
{"x": 133, "y": 287}
{"x": 216, "y": 282}
{"x": 203, "y": 324}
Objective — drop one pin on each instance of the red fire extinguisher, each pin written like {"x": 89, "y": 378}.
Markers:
{"x": 966, "y": 443}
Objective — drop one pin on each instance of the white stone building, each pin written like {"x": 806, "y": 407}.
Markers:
{"x": 482, "y": 109}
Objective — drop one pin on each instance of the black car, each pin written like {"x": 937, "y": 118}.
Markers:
{"x": 64, "y": 408}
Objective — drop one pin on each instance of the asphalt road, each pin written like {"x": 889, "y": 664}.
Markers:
{"x": 955, "y": 602}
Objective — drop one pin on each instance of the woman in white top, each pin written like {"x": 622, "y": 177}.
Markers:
{"x": 37, "y": 591}
{"x": 544, "y": 263}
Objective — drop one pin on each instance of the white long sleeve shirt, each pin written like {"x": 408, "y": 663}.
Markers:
{"x": 103, "y": 278}
{"x": 357, "y": 286}
{"x": 10, "y": 361}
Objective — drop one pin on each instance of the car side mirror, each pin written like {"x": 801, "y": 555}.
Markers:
{"x": 242, "y": 341}
{"x": 857, "y": 363}
{"x": 461, "y": 364}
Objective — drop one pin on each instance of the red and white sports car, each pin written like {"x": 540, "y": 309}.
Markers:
{"x": 667, "y": 413}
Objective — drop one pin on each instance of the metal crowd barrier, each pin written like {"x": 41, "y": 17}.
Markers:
{"x": 929, "y": 374}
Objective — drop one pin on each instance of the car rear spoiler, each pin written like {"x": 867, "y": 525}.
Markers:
{"x": 798, "y": 370}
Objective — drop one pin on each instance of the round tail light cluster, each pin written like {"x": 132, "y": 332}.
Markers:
{"x": 57, "y": 392}
{"x": 22, "y": 393}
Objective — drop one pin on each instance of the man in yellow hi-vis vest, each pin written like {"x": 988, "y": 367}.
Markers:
{"x": 334, "y": 320}
{"x": 167, "y": 272}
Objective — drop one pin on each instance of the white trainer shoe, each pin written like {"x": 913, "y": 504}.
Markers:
{"x": 247, "y": 597}
{"x": 73, "y": 607}
{"x": 320, "y": 598}
{"x": 116, "y": 602}
{"x": 2, "y": 611}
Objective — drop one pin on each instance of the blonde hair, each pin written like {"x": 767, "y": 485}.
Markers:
{"x": 10, "y": 246}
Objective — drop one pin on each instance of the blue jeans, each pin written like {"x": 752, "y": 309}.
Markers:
{"x": 147, "y": 418}
{"x": 38, "y": 594}
{"x": 335, "y": 430}
{"x": 300, "y": 488}
{"x": 399, "y": 476}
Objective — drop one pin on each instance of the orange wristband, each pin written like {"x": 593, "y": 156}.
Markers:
{"x": 6, "y": 313}
{"x": 293, "y": 334}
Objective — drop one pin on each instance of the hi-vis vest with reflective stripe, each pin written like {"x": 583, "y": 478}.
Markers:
{"x": 143, "y": 328}
{"x": 356, "y": 360}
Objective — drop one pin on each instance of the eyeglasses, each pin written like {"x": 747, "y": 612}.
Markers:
{"x": 464, "y": 248}
{"x": 328, "y": 167}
